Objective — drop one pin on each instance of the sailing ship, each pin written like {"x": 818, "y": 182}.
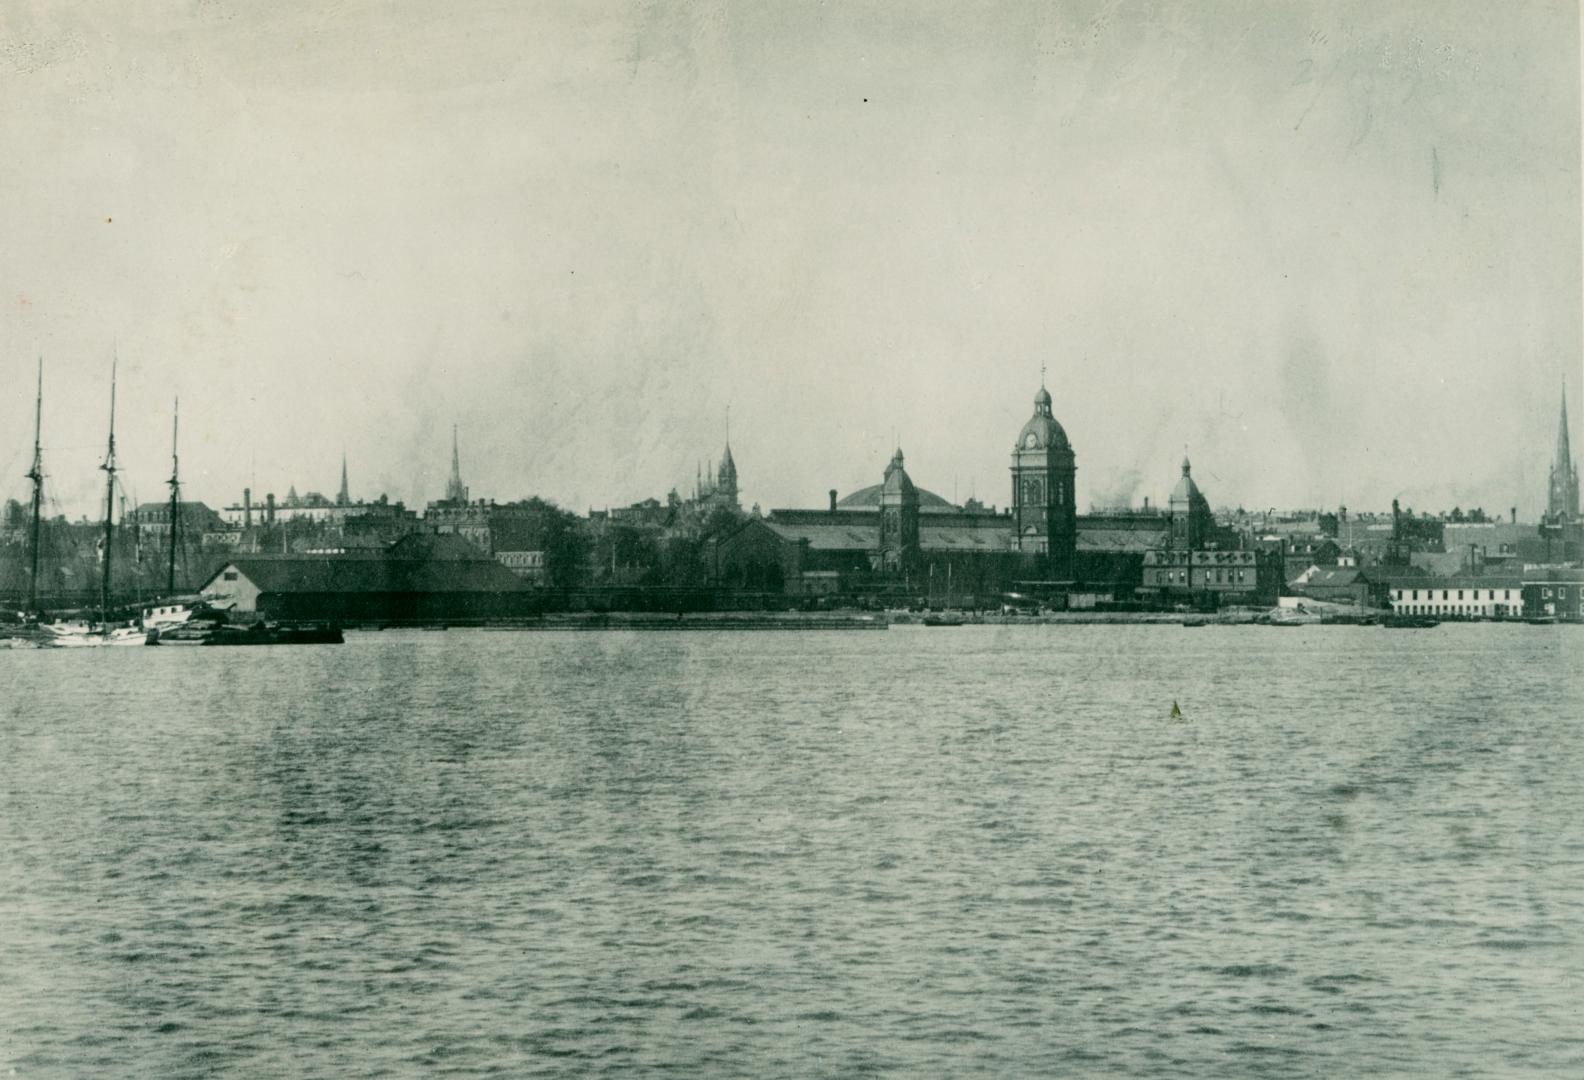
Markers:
{"x": 173, "y": 611}
{"x": 83, "y": 634}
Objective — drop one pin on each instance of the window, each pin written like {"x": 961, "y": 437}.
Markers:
{"x": 230, "y": 575}
{"x": 1416, "y": 594}
{"x": 1460, "y": 594}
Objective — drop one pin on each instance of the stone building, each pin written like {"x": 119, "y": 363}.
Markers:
{"x": 1044, "y": 504}
{"x": 900, "y": 541}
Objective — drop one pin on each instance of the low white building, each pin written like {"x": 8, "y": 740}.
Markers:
{"x": 1477, "y": 598}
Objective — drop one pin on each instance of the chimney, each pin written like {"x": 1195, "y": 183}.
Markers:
{"x": 1146, "y": 504}
{"x": 833, "y": 500}
{"x": 1514, "y": 513}
{"x": 269, "y": 509}
{"x": 247, "y": 508}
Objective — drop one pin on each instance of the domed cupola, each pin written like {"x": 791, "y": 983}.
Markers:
{"x": 1191, "y": 516}
{"x": 1042, "y": 432}
{"x": 1044, "y": 504}
{"x": 1187, "y": 492}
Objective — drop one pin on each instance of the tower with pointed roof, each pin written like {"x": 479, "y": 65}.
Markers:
{"x": 1562, "y": 502}
{"x": 343, "y": 498}
{"x": 726, "y": 479}
{"x": 1044, "y": 506}
{"x": 456, "y": 492}
{"x": 899, "y": 517}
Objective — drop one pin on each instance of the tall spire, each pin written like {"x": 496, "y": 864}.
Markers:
{"x": 342, "y": 497}
{"x": 455, "y": 492}
{"x": 1562, "y": 503}
{"x": 1564, "y": 452}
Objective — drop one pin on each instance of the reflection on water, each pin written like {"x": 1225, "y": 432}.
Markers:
{"x": 976, "y": 851}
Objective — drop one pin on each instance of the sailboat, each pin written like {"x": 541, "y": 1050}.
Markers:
{"x": 171, "y": 611}
{"x": 84, "y": 634}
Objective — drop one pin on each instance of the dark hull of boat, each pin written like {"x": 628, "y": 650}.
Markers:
{"x": 276, "y": 635}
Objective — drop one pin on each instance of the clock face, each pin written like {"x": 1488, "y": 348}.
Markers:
{"x": 1031, "y": 440}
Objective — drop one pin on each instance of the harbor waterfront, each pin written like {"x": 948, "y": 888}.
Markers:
{"x": 986, "y": 852}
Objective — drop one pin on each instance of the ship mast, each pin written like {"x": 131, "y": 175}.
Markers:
{"x": 109, "y": 468}
{"x": 175, "y": 502}
{"x": 36, "y": 474}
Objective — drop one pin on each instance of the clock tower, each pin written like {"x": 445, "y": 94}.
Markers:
{"x": 1044, "y": 510}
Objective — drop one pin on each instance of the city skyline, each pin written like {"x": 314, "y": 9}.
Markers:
{"x": 1332, "y": 249}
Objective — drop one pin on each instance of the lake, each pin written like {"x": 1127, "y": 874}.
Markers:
{"x": 976, "y": 851}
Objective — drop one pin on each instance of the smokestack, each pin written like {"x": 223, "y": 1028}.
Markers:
{"x": 833, "y": 500}
{"x": 269, "y": 509}
{"x": 247, "y": 508}
{"x": 1514, "y": 513}
{"x": 1146, "y": 504}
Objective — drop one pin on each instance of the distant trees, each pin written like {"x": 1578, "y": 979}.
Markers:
{"x": 560, "y": 535}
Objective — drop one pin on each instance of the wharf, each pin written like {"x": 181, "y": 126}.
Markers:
{"x": 751, "y": 620}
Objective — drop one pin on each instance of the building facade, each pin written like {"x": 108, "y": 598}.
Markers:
{"x": 1554, "y": 591}
{"x": 1460, "y": 598}
{"x": 1044, "y": 502}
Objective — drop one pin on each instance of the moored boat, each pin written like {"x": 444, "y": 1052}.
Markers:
{"x": 1409, "y": 622}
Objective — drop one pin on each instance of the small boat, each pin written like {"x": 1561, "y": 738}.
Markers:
{"x": 1195, "y": 622}
{"x": 86, "y": 635}
{"x": 267, "y": 633}
{"x": 944, "y": 620}
{"x": 1409, "y": 622}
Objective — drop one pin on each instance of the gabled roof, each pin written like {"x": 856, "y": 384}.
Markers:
{"x": 834, "y": 536}
{"x": 449, "y": 546}
{"x": 964, "y": 537}
{"x": 1109, "y": 539}
{"x": 1330, "y": 578}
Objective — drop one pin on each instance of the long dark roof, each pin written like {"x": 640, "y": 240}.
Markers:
{"x": 375, "y": 574}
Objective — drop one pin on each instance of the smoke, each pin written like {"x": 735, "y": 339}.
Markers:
{"x": 1117, "y": 488}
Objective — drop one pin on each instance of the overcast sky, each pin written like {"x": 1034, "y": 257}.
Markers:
{"x": 1331, "y": 248}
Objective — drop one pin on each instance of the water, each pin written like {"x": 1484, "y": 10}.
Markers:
{"x": 958, "y": 852}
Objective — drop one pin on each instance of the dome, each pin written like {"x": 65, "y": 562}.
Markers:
{"x": 868, "y": 498}
{"x": 1186, "y": 490}
{"x": 1042, "y": 432}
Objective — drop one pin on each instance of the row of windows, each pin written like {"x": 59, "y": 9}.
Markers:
{"x": 1490, "y": 594}
{"x": 1456, "y": 609}
{"x": 1222, "y": 577}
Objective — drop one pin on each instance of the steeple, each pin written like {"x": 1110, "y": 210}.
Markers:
{"x": 342, "y": 497}
{"x": 455, "y": 491}
{"x": 1562, "y": 503}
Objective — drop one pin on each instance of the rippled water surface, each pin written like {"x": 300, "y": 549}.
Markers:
{"x": 925, "y": 852}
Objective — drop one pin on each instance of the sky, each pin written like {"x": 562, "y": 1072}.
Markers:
{"x": 1330, "y": 250}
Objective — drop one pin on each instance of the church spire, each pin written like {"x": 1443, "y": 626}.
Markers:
{"x": 1564, "y": 452}
{"x": 1563, "y": 498}
{"x": 342, "y": 497}
{"x": 455, "y": 492}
